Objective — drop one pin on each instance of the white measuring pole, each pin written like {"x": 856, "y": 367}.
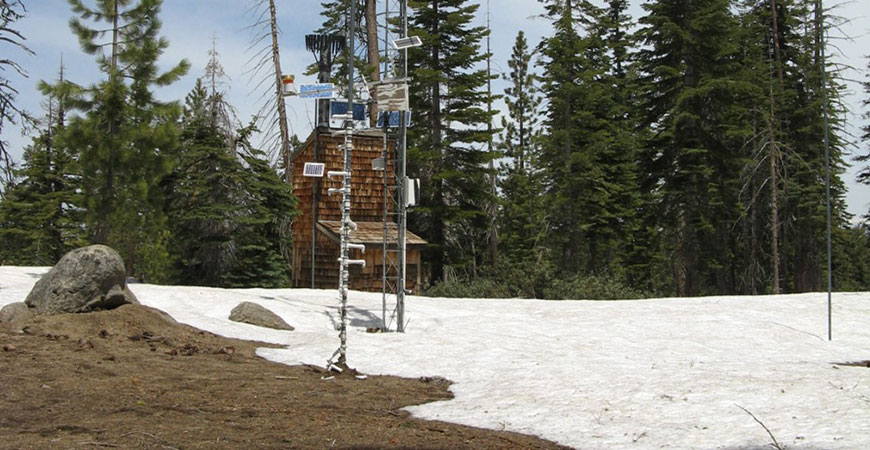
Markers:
{"x": 346, "y": 223}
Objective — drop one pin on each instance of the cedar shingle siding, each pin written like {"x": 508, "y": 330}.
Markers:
{"x": 367, "y": 209}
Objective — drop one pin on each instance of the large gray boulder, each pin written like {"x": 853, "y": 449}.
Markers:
{"x": 15, "y": 312}
{"x": 254, "y": 314}
{"x": 85, "y": 279}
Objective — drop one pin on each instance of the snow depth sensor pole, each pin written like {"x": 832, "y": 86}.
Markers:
{"x": 346, "y": 222}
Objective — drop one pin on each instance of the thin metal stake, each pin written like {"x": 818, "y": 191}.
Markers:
{"x": 403, "y": 213}
{"x": 821, "y": 23}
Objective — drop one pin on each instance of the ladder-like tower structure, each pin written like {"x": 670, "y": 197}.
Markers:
{"x": 395, "y": 66}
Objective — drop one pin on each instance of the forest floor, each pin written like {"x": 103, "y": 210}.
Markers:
{"x": 135, "y": 378}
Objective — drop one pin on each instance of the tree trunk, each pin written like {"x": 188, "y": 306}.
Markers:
{"x": 115, "y": 33}
{"x": 438, "y": 218}
{"x": 774, "y": 204}
{"x": 493, "y": 203}
{"x": 279, "y": 88}
{"x": 373, "y": 52}
{"x": 101, "y": 235}
{"x": 776, "y": 46}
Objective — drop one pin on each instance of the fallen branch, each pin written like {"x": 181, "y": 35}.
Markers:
{"x": 99, "y": 444}
{"x": 775, "y": 444}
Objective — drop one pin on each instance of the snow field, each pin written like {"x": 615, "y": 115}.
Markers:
{"x": 662, "y": 373}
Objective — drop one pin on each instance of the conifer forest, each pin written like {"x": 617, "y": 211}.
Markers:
{"x": 682, "y": 152}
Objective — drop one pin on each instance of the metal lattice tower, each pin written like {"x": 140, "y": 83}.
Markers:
{"x": 395, "y": 65}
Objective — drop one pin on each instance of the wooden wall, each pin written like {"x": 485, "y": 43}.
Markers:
{"x": 367, "y": 203}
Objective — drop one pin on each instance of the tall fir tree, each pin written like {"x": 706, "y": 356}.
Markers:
{"x": 447, "y": 147}
{"x": 204, "y": 193}
{"x": 804, "y": 232}
{"x": 588, "y": 154}
{"x": 694, "y": 114}
{"x": 520, "y": 125}
{"x": 269, "y": 205}
{"x": 41, "y": 216}
{"x": 226, "y": 203}
{"x": 521, "y": 226}
{"x": 765, "y": 28}
{"x": 124, "y": 132}
{"x": 221, "y": 113}
{"x": 864, "y": 173}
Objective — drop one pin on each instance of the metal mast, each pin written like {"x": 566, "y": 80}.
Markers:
{"x": 387, "y": 262}
{"x": 395, "y": 205}
{"x": 402, "y": 179}
{"x": 821, "y": 25}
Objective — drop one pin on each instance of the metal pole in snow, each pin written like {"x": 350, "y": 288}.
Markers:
{"x": 821, "y": 23}
{"x": 403, "y": 212}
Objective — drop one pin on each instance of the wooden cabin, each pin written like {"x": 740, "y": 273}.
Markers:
{"x": 317, "y": 228}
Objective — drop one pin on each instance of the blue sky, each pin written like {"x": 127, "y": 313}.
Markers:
{"x": 190, "y": 24}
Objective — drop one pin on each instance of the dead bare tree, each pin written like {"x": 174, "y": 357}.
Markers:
{"x": 373, "y": 51}
{"x": 10, "y": 113}
{"x": 264, "y": 68}
{"x": 222, "y": 114}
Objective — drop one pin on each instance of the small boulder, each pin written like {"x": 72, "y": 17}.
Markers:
{"x": 255, "y": 314}
{"x": 15, "y": 312}
{"x": 85, "y": 279}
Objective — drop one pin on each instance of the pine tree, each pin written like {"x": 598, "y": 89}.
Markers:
{"x": 765, "y": 28}
{"x": 523, "y": 102}
{"x": 40, "y": 217}
{"x": 695, "y": 117}
{"x": 864, "y": 174}
{"x": 270, "y": 206}
{"x": 588, "y": 154}
{"x": 448, "y": 97}
{"x": 804, "y": 232}
{"x": 125, "y": 131}
{"x": 851, "y": 263}
{"x": 226, "y": 203}
{"x": 221, "y": 113}
{"x": 563, "y": 61}
{"x": 521, "y": 226}
{"x": 204, "y": 194}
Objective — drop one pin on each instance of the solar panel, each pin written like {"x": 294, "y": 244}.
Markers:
{"x": 393, "y": 119}
{"x": 408, "y": 42}
{"x": 339, "y": 108}
{"x": 313, "y": 169}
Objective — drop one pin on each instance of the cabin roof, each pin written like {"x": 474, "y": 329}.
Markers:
{"x": 368, "y": 233}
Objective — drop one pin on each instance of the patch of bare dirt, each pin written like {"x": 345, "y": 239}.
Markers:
{"x": 855, "y": 363}
{"x": 133, "y": 378}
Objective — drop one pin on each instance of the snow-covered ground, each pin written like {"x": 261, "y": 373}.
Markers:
{"x": 664, "y": 373}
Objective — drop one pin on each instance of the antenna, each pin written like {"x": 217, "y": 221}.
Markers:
{"x": 325, "y": 48}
